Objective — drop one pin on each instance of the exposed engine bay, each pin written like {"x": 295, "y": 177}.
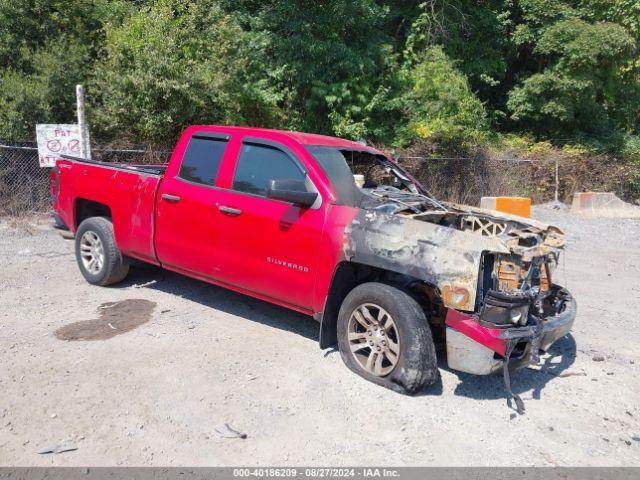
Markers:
{"x": 534, "y": 249}
{"x": 496, "y": 266}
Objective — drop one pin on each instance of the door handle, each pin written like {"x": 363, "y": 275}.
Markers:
{"x": 234, "y": 212}
{"x": 170, "y": 198}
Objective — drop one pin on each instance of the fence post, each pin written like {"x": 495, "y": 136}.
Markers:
{"x": 85, "y": 147}
{"x": 482, "y": 177}
{"x": 557, "y": 182}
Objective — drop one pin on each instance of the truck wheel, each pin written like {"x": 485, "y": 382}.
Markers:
{"x": 384, "y": 336}
{"x": 97, "y": 254}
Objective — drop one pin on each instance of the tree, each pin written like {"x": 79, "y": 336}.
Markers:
{"x": 30, "y": 24}
{"x": 579, "y": 90}
{"x": 325, "y": 57}
{"x": 45, "y": 95}
{"x": 177, "y": 63}
{"x": 439, "y": 103}
{"x": 386, "y": 70}
{"x": 473, "y": 34}
{"x": 46, "y": 47}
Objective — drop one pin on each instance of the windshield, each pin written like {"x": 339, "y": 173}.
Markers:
{"x": 341, "y": 164}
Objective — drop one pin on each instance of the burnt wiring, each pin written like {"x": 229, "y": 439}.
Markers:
{"x": 386, "y": 196}
{"x": 415, "y": 189}
{"x": 392, "y": 194}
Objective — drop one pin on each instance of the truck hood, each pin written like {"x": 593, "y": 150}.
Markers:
{"x": 522, "y": 236}
{"x": 442, "y": 245}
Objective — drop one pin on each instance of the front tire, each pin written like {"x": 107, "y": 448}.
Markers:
{"x": 384, "y": 336}
{"x": 99, "y": 258}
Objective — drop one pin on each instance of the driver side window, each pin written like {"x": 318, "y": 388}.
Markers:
{"x": 260, "y": 163}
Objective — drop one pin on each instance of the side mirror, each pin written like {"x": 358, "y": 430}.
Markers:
{"x": 291, "y": 190}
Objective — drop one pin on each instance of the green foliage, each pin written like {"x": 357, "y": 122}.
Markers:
{"x": 47, "y": 93}
{"x": 631, "y": 148}
{"x": 453, "y": 72}
{"x": 579, "y": 90}
{"x": 439, "y": 103}
{"x": 46, "y": 47}
{"x": 623, "y": 12}
{"x": 21, "y": 102}
{"x": 327, "y": 58}
{"x": 29, "y": 24}
{"x": 471, "y": 32}
{"x": 173, "y": 64}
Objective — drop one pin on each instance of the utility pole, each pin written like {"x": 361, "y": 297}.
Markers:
{"x": 85, "y": 148}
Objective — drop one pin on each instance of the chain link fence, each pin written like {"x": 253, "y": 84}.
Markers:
{"x": 466, "y": 180}
{"x": 24, "y": 186}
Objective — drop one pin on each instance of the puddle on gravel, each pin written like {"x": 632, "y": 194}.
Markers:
{"x": 115, "y": 318}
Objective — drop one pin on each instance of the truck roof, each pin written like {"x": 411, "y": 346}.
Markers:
{"x": 300, "y": 137}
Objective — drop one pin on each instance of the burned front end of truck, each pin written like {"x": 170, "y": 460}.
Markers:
{"x": 488, "y": 276}
{"x": 485, "y": 279}
{"x": 519, "y": 310}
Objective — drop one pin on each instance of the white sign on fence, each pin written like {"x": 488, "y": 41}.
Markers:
{"x": 57, "y": 140}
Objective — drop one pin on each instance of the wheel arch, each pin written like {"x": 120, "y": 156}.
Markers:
{"x": 346, "y": 276}
{"x": 85, "y": 208}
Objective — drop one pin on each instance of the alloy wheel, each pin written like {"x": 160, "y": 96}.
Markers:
{"x": 373, "y": 339}
{"x": 92, "y": 252}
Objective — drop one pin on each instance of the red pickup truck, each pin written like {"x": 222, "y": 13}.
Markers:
{"x": 333, "y": 229}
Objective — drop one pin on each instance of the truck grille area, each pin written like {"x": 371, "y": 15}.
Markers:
{"x": 510, "y": 274}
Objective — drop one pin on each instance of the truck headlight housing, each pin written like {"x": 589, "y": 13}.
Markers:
{"x": 505, "y": 309}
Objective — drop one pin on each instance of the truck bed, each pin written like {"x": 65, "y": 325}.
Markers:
{"x": 151, "y": 169}
{"x": 128, "y": 192}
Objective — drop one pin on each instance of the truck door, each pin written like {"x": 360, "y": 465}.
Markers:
{"x": 186, "y": 232}
{"x": 269, "y": 246}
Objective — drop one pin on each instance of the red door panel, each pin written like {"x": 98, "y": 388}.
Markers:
{"x": 269, "y": 247}
{"x": 186, "y": 231}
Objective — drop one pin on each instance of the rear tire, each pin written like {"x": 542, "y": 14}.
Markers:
{"x": 99, "y": 258}
{"x": 394, "y": 348}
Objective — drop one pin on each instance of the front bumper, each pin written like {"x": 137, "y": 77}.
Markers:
{"x": 476, "y": 348}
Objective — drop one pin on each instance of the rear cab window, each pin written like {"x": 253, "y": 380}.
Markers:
{"x": 202, "y": 159}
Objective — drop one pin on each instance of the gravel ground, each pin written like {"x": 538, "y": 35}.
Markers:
{"x": 204, "y": 357}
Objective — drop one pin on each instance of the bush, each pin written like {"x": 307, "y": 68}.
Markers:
{"x": 21, "y": 102}
{"x": 631, "y": 148}
{"x": 439, "y": 103}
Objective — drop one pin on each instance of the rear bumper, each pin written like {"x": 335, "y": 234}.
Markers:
{"x": 58, "y": 223}
{"x": 479, "y": 349}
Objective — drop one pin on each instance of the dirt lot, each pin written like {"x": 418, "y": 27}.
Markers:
{"x": 202, "y": 357}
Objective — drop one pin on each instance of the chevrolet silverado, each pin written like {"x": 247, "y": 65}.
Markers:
{"x": 333, "y": 229}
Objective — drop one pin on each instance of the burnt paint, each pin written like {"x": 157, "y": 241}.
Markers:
{"x": 441, "y": 256}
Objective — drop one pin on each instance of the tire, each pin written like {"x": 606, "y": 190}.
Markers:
{"x": 114, "y": 267}
{"x": 415, "y": 364}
